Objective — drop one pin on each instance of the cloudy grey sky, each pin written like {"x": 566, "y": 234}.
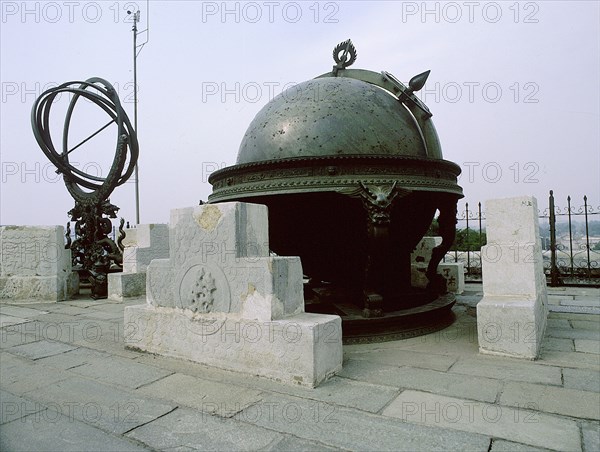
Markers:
{"x": 514, "y": 88}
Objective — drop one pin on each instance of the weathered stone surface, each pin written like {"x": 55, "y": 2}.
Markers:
{"x": 405, "y": 358}
{"x": 453, "y": 272}
{"x": 568, "y": 402}
{"x": 421, "y": 255}
{"x": 202, "y": 431}
{"x": 107, "y": 407}
{"x": 126, "y": 285}
{"x": 149, "y": 241}
{"x": 591, "y": 436}
{"x": 304, "y": 349}
{"x": 520, "y": 425}
{"x": 205, "y": 395}
{"x": 587, "y": 346}
{"x": 500, "y": 445}
{"x": 19, "y": 375}
{"x": 118, "y": 371}
{"x": 553, "y": 343}
{"x": 21, "y": 311}
{"x": 511, "y": 317}
{"x": 221, "y": 300}
{"x": 508, "y": 370}
{"x": 469, "y": 387}
{"x": 339, "y": 391}
{"x": 349, "y": 429}
{"x": 37, "y": 432}
{"x": 41, "y": 349}
{"x": 582, "y": 379}
{"x": 34, "y": 265}
{"x": 567, "y": 359}
{"x": 13, "y": 407}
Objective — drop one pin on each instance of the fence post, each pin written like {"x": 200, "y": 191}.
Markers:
{"x": 587, "y": 236}
{"x": 554, "y": 274}
{"x": 570, "y": 237}
{"x": 467, "y": 240}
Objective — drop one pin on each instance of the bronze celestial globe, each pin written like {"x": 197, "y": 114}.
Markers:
{"x": 351, "y": 169}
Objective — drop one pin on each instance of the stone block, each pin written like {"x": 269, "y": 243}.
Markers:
{"x": 422, "y": 252}
{"x": 34, "y": 265}
{"x": 149, "y": 241}
{"x": 126, "y": 285}
{"x": 304, "y": 349}
{"x": 453, "y": 272}
{"x": 222, "y": 300}
{"x": 511, "y": 317}
{"x": 142, "y": 245}
{"x": 512, "y": 220}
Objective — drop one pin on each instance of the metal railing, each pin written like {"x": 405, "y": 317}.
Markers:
{"x": 567, "y": 246}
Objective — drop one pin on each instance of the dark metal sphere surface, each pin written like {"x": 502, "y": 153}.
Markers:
{"x": 332, "y": 116}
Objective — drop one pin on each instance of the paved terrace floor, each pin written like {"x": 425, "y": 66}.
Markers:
{"x": 68, "y": 383}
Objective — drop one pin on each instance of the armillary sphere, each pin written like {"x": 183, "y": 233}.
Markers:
{"x": 102, "y": 94}
{"x": 93, "y": 251}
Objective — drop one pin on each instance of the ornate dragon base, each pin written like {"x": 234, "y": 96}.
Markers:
{"x": 93, "y": 251}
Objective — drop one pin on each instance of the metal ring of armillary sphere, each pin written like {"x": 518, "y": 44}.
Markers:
{"x": 101, "y": 93}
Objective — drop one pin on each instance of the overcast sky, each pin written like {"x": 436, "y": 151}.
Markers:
{"x": 514, "y": 89}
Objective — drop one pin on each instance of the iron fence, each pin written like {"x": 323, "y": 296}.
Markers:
{"x": 570, "y": 241}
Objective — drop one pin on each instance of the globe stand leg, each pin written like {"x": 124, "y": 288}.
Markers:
{"x": 447, "y": 229}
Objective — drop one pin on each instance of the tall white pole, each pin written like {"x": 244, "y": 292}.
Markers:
{"x": 136, "y": 18}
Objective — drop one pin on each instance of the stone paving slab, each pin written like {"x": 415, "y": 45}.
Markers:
{"x": 582, "y": 379}
{"x": 591, "y": 436}
{"x": 208, "y": 396}
{"x": 340, "y": 391}
{"x": 73, "y": 358}
{"x": 586, "y": 324}
{"x": 40, "y": 349}
{"x": 20, "y": 311}
{"x": 518, "y": 425}
{"x": 201, "y": 431}
{"x": 118, "y": 371}
{"x": 568, "y": 402}
{"x": 569, "y": 359}
{"x": 19, "y": 375}
{"x": 96, "y": 314}
{"x": 508, "y": 369}
{"x": 111, "y": 409}
{"x": 6, "y": 320}
{"x": 9, "y": 337}
{"x": 501, "y": 445}
{"x": 350, "y": 429}
{"x": 573, "y": 316}
{"x": 587, "y": 346}
{"x": 403, "y": 357}
{"x": 63, "y": 309}
{"x": 14, "y": 407}
{"x": 290, "y": 443}
{"x": 477, "y": 388}
{"x": 558, "y": 323}
{"x": 582, "y": 302}
{"x": 573, "y": 333}
{"x": 558, "y": 344}
{"x": 39, "y": 432}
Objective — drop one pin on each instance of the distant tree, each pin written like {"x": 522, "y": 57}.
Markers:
{"x": 434, "y": 229}
{"x": 468, "y": 240}
{"x": 596, "y": 247}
